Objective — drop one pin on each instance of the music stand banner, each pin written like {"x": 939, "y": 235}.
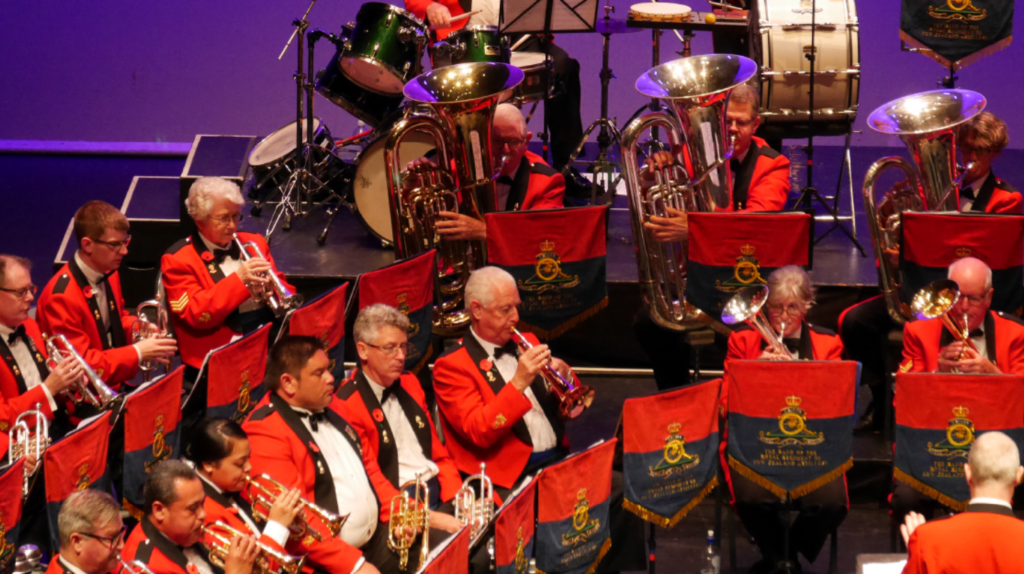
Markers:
{"x": 234, "y": 376}
{"x": 406, "y": 285}
{"x": 937, "y": 418}
{"x": 932, "y": 242}
{"x": 324, "y": 318}
{"x": 572, "y": 517}
{"x": 76, "y": 462}
{"x": 452, "y": 558}
{"x": 10, "y": 512}
{"x": 959, "y": 33}
{"x": 791, "y": 422}
{"x": 558, "y": 259}
{"x": 514, "y": 528}
{"x": 670, "y": 451}
{"x": 151, "y": 434}
{"x": 729, "y": 251}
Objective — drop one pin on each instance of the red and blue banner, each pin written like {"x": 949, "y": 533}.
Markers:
{"x": 514, "y": 529}
{"x": 557, "y": 257}
{"x": 957, "y": 32}
{"x": 10, "y": 512}
{"x": 933, "y": 241}
{"x": 234, "y": 376}
{"x": 76, "y": 462}
{"x": 324, "y": 318}
{"x": 151, "y": 434}
{"x": 937, "y": 418}
{"x": 406, "y": 285}
{"x": 791, "y": 422}
{"x": 670, "y": 451}
{"x": 453, "y": 558}
{"x": 729, "y": 251}
{"x": 573, "y": 496}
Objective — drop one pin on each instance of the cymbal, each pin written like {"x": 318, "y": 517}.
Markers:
{"x": 614, "y": 26}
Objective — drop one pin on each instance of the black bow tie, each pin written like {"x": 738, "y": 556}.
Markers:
{"x": 792, "y": 344}
{"x": 314, "y": 419}
{"x": 967, "y": 193}
{"x": 734, "y": 165}
{"x": 388, "y": 393}
{"x": 976, "y": 333}
{"x": 237, "y": 498}
{"x": 508, "y": 348}
{"x": 505, "y": 179}
{"x": 219, "y": 255}
{"x": 18, "y": 333}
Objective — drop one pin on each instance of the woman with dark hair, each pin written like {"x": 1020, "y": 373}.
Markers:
{"x": 219, "y": 450}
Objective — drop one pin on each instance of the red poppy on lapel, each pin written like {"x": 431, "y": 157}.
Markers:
{"x": 486, "y": 365}
{"x": 313, "y": 447}
{"x": 87, "y": 291}
{"x": 207, "y": 256}
{"x": 378, "y": 415}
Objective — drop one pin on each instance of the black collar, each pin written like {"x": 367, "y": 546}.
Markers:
{"x": 984, "y": 194}
{"x": 227, "y": 500}
{"x": 117, "y": 336}
{"x": 806, "y": 345}
{"x": 172, "y": 551}
{"x": 520, "y": 186}
{"x": 991, "y": 508}
{"x": 744, "y": 173}
{"x": 387, "y": 448}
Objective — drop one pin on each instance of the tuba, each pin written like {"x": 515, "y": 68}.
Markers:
{"x": 315, "y": 521}
{"x": 475, "y": 511}
{"x": 696, "y": 90}
{"x": 462, "y": 99}
{"x": 280, "y": 298}
{"x": 410, "y": 517}
{"x": 926, "y": 122}
{"x": 573, "y": 399}
{"x": 143, "y": 328}
{"x": 217, "y": 537}
{"x": 25, "y": 442}
{"x": 90, "y": 388}
{"x": 936, "y": 300}
{"x": 746, "y": 306}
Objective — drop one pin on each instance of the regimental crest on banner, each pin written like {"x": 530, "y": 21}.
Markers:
{"x": 521, "y": 562}
{"x": 245, "y": 402}
{"x": 161, "y": 450}
{"x": 746, "y": 272}
{"x": 10, "y": 512}
{"x": 793, "y": 429}
{"x": 956, "y": 33}
{"x": 674, "y": 458}
{"x": 7, "y": 549}
{"x": 403, "y": 307}
{"x": 959, "y": 436}
{"x": 548, "y": 275}
{"x": 582, "y": 526}
{"x": 962, "y": 10}
{"x": 234, "y": 374}
{"x": 84, "y": 479}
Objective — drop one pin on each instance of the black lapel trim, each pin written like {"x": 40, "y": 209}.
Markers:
{"x": 63, "y": 565}
{"x": 323, "y": 485}
{"x": 991, "y": 508}
{"x": 520, "y": 186}
{"x": 985, "y": 194}
{"x": 353, "y": 439}
{"x": 164, "y": 545}
{"x": 387, "y": 452}
{"x": 114, "y": 316}
{"x": 743, "y": 176}
{"x": 946, "y": 338}
{"x": 79, "y": 277}
{"x": 212, "y": 268}
{"x": 417, "y": 418}
{"x": 223, "y": 500}
{"x": 8, "y": 357}
{"x": 806, "y": 345}
{"x": 990, "y": 337}
{"x": 549, "y": 404}
{"x": 477, "y": 354}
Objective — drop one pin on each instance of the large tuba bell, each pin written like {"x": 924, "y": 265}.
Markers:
{"x": 696, "y": 90}
{"x": 926, "y": 122}
{"x": 746, "y": 307}
{"x": 463, "y": 99}
{"x": 90, "y": 388}
{"x": 29, "y": 441}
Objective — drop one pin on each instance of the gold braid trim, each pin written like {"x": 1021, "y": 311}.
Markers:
{"x": 797, "y": 492}
{"x": 600, "y": 556}
{"x": 663, "y": 522}
{"x": 821, "y": 480}
{"x": 134, "y": 511}
{"x": 927, "y": 490}
{"x": 423, "y": 361}
{"x": 752, "y": 476}
{"x": 561, "y": 329}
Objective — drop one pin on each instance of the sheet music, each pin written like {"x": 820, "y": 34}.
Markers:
{"x": 527, "y": 16}
{"x": 885, "y": 567}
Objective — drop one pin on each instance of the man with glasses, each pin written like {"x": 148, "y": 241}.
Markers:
{"x": 209, "y": 285}
{"x": 91, "y": 534}
{"x": 389, "y": 410}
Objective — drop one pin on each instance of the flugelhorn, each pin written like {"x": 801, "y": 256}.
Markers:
{"x": 746, "y": 306}
{"x": 475, "y": 511}
{"x": 279, "y": 298}
{"x": 696, "y": 91}
{"x": 410, "y": 517}
{"x": 936, "y": 300}
{"x": 462, "y": 99}
{"x": 133, "y": 567}
{"x": 313, "y": 521}
{"x": 926, "y": 122}
{"x": 143, "y": 328}
{"x": 217, "y": 537}
{"x": 26, "y": 442}
{"x": 90, "y": 388}
{"x": 573, "y": 398}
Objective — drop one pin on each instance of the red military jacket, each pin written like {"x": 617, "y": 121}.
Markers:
{"x": 283, "y": 448}
{"x": 219, "y": 507}
{"x": 64, "y": 309}
{"x": 997, "y": 196}
{"x": 368, "y": 418}
{"x": 761, "y": 182}
{"x": 202, "y": 300}
{"x": 983, "y": 539}
{"x": 419, "y": 8}
{"x": 482, "y": 416}
{"x": 536, "y": 185}
{"x": 816, "y": 343}
{"x": 14, "y": 399}
{"x": 156, "y": 551}
{"x": 57, "y": 566}
{"x": 1004, "y": 334}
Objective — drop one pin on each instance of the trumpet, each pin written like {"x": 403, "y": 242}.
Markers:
{"x": 90, "y": 388}
{"x": 28, "y": 443}
{"x": 280, "y": 299}
{"x": 573, "y": 399}
{"x": 936, "y": 300}
{"x": 314, "y": 521}
{"x": 410, "y": 517}
{"x": 477, "y": 512}
{"x": 133, "y": 567}
{"x": 745, "y": 306}
{"x": 217, "y": 539}
{"x": 143, "y": 328}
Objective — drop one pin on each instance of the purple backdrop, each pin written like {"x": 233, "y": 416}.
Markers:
{"x": 112, "y": 70}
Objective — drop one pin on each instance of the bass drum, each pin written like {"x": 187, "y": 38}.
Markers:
{"x": 370, "y": 187}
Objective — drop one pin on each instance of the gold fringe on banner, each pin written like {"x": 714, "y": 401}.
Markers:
{"x": 561, "y": 329}
{"x": 423, "y": 361}
{"x": 597, "y": 561}
{"x": 821, "y": 480}
{"x": 927, "y": 490}
{"x": 663, "y": 522}
{"x": 752, "y": 476}
{"x": 959, "y": 64}
{"x": 797, "y": 492}
{"x": 134, "y": 511}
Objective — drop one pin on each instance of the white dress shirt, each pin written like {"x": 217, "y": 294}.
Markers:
{"x": 965, "y": 202}
{"x": 274, "y": 530}
{"x": 352, "y": 488}
{"x": 489, "y": 13}
{"x": 411, "y": 460}
{"x": 228, "y": 266}
{"x": 99, "y": 292}
{"x": 996, "y": 501}
{"x": 541, "y": 433}
{"x": 26, "y": 364}
{"x": 979, "y": 342}
{"x": 196, "y": 558}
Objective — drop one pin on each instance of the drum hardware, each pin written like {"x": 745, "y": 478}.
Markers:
{"x": 217, "y": 538}
{"x": 143, "y": 328}
{"x": 28, "y": 559}
{"x": 384, "y": 49}
{"x": 471, "y": 44}
{"x": 926, "y": 122}
{"x": 472, "y": 510}
{"x": 410, "y": 517}
{"x": 747, "y": 306}
{"x": 936, "y": 300}
{"x": 278, "y": 297}
{"x": 313, "y": 521}
{"x": 573, "y": 398}
{"x": 90, "y": 388}
{"x": 29, "y": 441}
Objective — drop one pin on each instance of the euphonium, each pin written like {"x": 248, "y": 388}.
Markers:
{"x": 25, "y": 442}
{"x": 280, "y": 298}
{"x": 746, "y": 306}
{"x": 217, "y": 539}
{"x": 936, "y": 300}
{"x": 90, "y": 388}
{"x": 410, "y": 517}
{"x": 313, "y": 521}
{"x": 475, "y": 511}
{"x": 463, "y": 99}
{"x": 573, "y": 399}
{"x": 143, "y": 328}
{"x": 926, "y": 122}
{"x": 696, "y": 91}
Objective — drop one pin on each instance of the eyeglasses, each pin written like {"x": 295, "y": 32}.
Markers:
{"x": 973, "y": 300}
{"x": 511, "y": 143}
{"x": 110, "y": 541}
{"x": 228, "y": 219}
{"x": 392, "y": 350}
{"x": 22, "y": 293}
{"x": 791, "y": 309}
{"x": 739, "y": 123}
{"x": 116, "y": 245}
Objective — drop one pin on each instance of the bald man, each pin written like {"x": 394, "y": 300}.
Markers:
{"x": 985, "y": 537}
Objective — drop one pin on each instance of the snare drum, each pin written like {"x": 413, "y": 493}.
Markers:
{"x": 385, "y": 48}
{"x": 471, "y": 44}
{"x": 785, "y": 34}
{"x": 273, "y": 159}
{"x": 538, "y": 77}
{"x": 362, "y": 103}
{"x": 660, "y": 12}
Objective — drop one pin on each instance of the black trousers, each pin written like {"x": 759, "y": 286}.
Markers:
{"x": 376, "y": 551}
{"x": 670, "y": 354}
{"x": 906, "y": 499}
{"x": 820, "y": 512}
{"x": 561, "y": 113}
{"x": 864, "y": 330}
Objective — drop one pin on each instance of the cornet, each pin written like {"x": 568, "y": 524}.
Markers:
{"x": 280, "y": 299}
{"x": 133, "y": 567}
{"x": 321, "y": 524}
{"x": 26, "y": 443}
{"x": 410, "y": 517}
{"x": 143, "y": 328}
{"x": 573, "y": 399}
{"x": 745, "y": 306}
{"x": 477, "y": 512}
{"x": 936, "y": 300}
{"x": 90, "y": 388}
{"x": 217, "y": 539}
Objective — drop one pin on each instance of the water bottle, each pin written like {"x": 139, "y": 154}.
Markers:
{"x": 711, "y": 560}
{"x": 360, "y": 128}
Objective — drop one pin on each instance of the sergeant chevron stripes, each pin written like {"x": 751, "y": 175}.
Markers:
{"x": 179, "y": 305}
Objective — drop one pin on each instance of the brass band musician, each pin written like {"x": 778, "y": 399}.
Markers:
{"x": 91, "y": 534}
